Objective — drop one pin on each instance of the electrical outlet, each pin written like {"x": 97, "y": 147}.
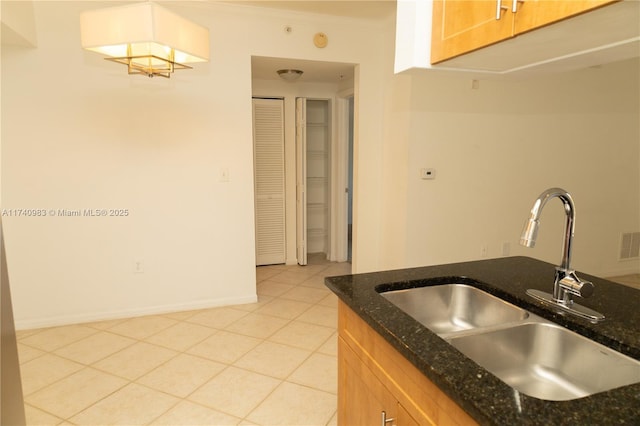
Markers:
{"x": 506, "y": 248}
{"x": 484, "y": 250}
{"x": 138, "y": 267}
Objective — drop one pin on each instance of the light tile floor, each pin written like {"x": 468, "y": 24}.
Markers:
{"x": 632, "y": 280}
{"x": 268, "y": 363}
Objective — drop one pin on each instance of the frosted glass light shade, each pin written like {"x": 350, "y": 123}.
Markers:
{"x": 144, "y": 35}
{"x": 289, "y": 75}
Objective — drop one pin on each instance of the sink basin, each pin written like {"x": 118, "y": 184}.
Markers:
{"x": 546, "y": 361}
{"x": 532, "y": 355}
{"x": 453, "y": 308}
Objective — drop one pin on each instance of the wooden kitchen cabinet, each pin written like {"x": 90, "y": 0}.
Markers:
{"x": 373, "y": 377}
{"x": 532, "y": 14}
{"x": 462, "y": 26}
{"x": 364, "y": 398}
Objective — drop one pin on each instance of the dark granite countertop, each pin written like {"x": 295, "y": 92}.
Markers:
{"x": 486, "y": 398}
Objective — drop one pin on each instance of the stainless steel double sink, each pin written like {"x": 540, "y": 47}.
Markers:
{"x": 532, "y": 355}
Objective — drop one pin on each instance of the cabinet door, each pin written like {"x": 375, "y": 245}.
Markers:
{"x": 361, "y": 396}
{"x": 461, "y": 26}
{"x": 532, "y": 14}
{"x": 403, "y": 418}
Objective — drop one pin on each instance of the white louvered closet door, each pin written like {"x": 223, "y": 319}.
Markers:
{"x": 268, "y": 152}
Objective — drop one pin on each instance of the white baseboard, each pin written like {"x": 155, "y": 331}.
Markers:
{"x": 32, "y": 323}
{"x": 617, "y": 272}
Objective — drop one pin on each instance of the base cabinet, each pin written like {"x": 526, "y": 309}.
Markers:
{"x": 364, "y": 400}
{"x": 378, "y": 386}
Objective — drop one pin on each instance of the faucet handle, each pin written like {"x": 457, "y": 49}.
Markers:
{"x": 574, "y": 285}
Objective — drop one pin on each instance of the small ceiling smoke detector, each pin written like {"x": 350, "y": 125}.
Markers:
{"x": 320, "y": 40}
{"x": 289, "y": 75}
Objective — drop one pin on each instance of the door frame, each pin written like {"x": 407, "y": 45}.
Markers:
{"x": 301, "y": 180}
{"x": 340, "y": 176}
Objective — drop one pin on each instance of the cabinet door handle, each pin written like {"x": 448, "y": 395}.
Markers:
{"x": 385, "y": 420}
{"x": 499, "y": 8}
{"x": 514, "y": 5}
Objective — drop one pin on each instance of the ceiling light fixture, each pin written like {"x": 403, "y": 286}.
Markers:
{"x": 149, "y": 39}
{"x": 289, "y": 75}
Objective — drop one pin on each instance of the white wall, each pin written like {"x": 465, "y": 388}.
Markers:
{"x": 79, "y": 133}
{"x": 497, "y": 148}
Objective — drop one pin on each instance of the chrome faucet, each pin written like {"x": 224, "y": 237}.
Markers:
{"x": 566, "y": 283}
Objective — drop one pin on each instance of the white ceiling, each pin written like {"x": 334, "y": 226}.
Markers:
{"x": 313, "y": 71}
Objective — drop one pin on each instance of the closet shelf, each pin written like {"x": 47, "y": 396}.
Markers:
{"x": 316, "y": 206}
{"x": 317, "y": 152}
{"x": 316, "y": 233}
{"x": 316, "y": 180}
{"x": 320, "y": 154}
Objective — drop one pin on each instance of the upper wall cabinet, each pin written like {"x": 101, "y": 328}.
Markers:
{"x": 515, "y": 37}
{"x": 462, "y": 26}
{"x": 532, "y": 14}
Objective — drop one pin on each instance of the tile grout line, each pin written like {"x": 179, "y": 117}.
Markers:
{"x": 227, "y": 366}
{"x": 286, "y": 379}
{"x": 214, "y": 330}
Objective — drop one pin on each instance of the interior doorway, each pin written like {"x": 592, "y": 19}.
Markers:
{"x": 334, "y": 83}
{"x": 313, "y": 142}
{"x": 343, "y": 187}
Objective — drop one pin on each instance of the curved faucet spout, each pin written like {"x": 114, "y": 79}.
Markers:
{"x": 530, "y": 231}
{"x": 566, "y": 283}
